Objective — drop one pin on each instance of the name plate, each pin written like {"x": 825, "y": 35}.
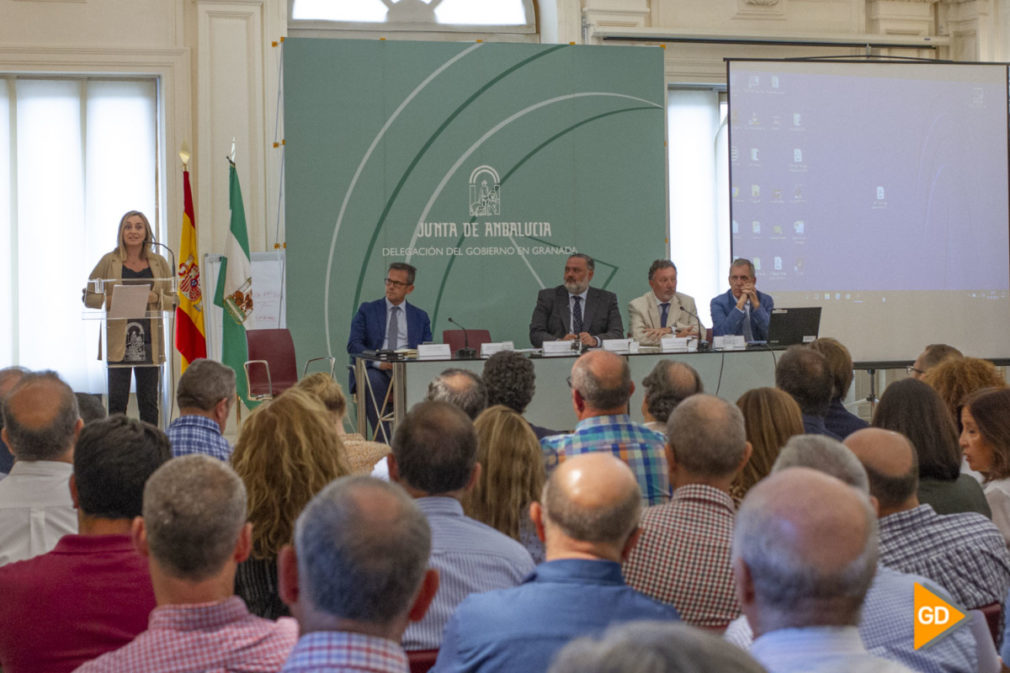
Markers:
{"x": 735, "y": 342}
{"x": 557, "y": 348}
{"x": 619, "y": 345}
{"x": 434, "y": 352}
{"x": 672, "y": 344}
{"x": 490, "y": 348}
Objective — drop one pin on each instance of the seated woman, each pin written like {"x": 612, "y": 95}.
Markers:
{"x": 957, "y": 378}
{"x": 985, "y": 439}
{"x": 771, "y": 417}
{"x": 362, "y": 454}
{"x": 915, "y": 410}
{"x": 511, "y": 477}
{"x": 286, "y": 452}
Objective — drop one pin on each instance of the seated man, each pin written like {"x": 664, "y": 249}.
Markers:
{"x": 461, "y": 388}
{"x": 742, "y": 310}
{"x": 663, "y": 311}
{"x": 194, "y": 533}
{"x": 358, "y": 573}
{"x": 803, "y": 373}
{"x": 511, "y": 379}
{"x": 205, "y": 394}
{"x": 92, "y": 592}
{"x": 574, "y": 311}
{"x": 931, "y": 356}
{"x": 601, "y": 387}
{"x": 387, "y": 324}
{"x": 683, "y": 555}
{"x": 434, "y": 459}
{"x": 838, "y": 419}
{"x": 668, "y": 384}
{"x": 588, "y": 520}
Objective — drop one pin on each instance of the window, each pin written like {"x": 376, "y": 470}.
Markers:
{"x": 75, "y": 154}
{"x": 503, "y": 15}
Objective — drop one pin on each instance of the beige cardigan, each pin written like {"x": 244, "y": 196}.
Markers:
{"x": 110, "y": 267}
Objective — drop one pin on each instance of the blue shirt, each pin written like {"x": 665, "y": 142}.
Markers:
{"x": 198, "y": 434}
{"x": 521, "y": 629}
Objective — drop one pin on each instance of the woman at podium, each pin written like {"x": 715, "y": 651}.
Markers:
{"x": 133, "y": 344}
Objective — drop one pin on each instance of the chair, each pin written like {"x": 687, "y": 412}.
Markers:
{"x": 993, "y": 613}
{"x": 272, "y": 368}
{"x": 475, "y": 337}
{"x": 421, "y": 660}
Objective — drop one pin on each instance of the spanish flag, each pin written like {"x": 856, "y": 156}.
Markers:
{"x": 189, "y": 333}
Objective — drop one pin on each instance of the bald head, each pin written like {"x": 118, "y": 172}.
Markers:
{"x": 461, "y": 388}
{"x": 603, "y": 381}
{"x": 668, "y": 384}
{"x": 808, "y": 543}
{"x": 41, "y": 420}
{"x": 592, "y": 498}
{"x": 891, "y": 465}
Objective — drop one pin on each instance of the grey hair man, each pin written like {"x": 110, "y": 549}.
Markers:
{"x": 194, "y": 533}
{"x": 356, "y": 575}
{"x": 884, "y": 626}
{"x": 41, "y": 424}
{"x": 668, "y": 384}
{"x": 588, "y": 518}
{"x": 683, "y": 555}
{"x": 205, "y": 395}
{"x": 804, "y": 555}
{"x": 574, "y": 311}
{"x": 434, "y": 459}
{"x": 601, "y": 388}
{"x": 462, "y": 388}
{"x": 931, "y": 356}
{"x": 804, "y": 374}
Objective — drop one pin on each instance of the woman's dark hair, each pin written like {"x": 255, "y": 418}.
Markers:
{"x": 915, "y": 410}
{"x": 990, "y": 408}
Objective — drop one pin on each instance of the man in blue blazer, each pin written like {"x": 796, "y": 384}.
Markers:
{"x": 556, "y": 317}
{"x": 370, "y": 330}
{"x": 742, "y": 310}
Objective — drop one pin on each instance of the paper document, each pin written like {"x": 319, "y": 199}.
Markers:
{"x": 129, "y": 301}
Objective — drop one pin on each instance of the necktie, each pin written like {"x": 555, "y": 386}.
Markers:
{"x": 748, "y": 334}
{"x": 664, "y": 314}
{"x": 577, "y": 316}
{"x": 393, "y": 331}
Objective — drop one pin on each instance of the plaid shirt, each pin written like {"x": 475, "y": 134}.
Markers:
{"x": 198, "y": 434}
{"x": 336, "y": 652}
{"x": 213, "y": 637}
{"x": 964, "y": 553}
{"x": 639, "y": 447}
{"x": 683, "y": 556}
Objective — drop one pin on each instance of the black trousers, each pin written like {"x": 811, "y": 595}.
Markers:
{"x": 147, "y": 391}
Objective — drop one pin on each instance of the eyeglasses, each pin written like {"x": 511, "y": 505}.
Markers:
{"x": 912, "y": 369}
{"x": 396, "y": 283}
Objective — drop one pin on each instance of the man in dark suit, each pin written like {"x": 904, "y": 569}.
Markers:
{"x": 387, "y": 323}
{"x": 576, "y": 311}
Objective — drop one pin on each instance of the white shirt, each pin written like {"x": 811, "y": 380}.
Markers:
{"x": 35, "y": 509}
{"x": 819, "y": 649}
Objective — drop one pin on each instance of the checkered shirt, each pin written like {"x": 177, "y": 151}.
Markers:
{"x": 212, "y": 637}
{"x": 639, "y": 447}
{"x": 964, "y": 553}
{"x": 336, "y": 652}
{"x": 683, "y": 556}
{"x": 198, "y": 434}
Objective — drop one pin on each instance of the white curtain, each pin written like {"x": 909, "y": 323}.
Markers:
{"x": 75, "y": 154}
{"x": 699, "y": 194}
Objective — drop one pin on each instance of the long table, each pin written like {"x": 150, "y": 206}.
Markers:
{"x": 728, "y": 374}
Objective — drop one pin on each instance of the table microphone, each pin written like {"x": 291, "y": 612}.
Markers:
{"x": 464, "y": 353}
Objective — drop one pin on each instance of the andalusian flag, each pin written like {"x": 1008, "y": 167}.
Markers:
{"x": 234, "y": 287}
{"x": 189, "y": 332}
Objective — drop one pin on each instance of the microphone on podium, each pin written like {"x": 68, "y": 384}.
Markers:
{"x": 464, "y": 353}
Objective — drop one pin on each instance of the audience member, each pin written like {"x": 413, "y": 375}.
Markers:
{"x": 194, "y": 533}
{"x": 461, "y": 388}
{"x": 358, "y": 572}
{"x": 90, "y": 407}
{"x": 771, "y": 417}
{"x": 985, "y": 438}
{"x": 930, "y": 357}
{"x": 957, "y": 378}
{"x": 838, "y": 420}
{"x": 804, "y": 374}
{"x": 511, "y": 476}
{"x": 362, "y": 455}
{"x": 434, "y": 460}
{"x": 884, "y": 624}
{"x": 9, "y": 376}
{"x": 601, "y": 387}
{"x": 683, "y": 555}
{"x": 915, "y": 410}
{"x": 668, "y": 384}
{"x": 205, "y": 393}
{"x": 964, "y": 552}
{"x": 653, "y": 647}
{"x": 41, "y": 424}
{"x": 588, "y": 519}
{"x": 510, "y": 379}
{"x": 286, "y": 452}
{"x": 92, "y": 593}
{"x": 804, "y": 555}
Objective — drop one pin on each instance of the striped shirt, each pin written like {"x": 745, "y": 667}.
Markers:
{"x": 337, "y": 652}
{"x": 639, "y": 447}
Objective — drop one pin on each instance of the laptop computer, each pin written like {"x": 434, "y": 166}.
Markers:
{"x": 789, "y": 326}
